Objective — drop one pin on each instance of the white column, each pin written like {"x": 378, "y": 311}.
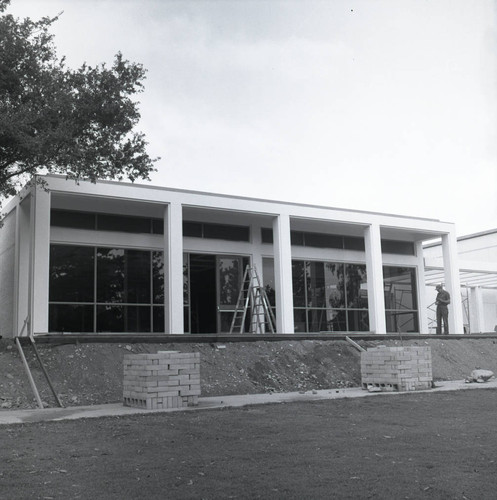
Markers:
{"x": 23, "y": 267}
{"x": 476, "y": 312}
{"x": 173, "y": 263}
{"x": 421, "y": 287}
{"x": 374, "y": 269}
{"x": 39, "y": 259}
{"x": 257, "y": 263}
{"x": 283, "y": 274}
{"x": 452, "y": 283}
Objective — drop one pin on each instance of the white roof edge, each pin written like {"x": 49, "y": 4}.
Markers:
{"x": 477, "y": 235}
{"x": 465, "y": 237}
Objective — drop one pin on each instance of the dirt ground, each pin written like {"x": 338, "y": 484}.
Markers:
{"x": 85, "y": 374}
{"x": 409, "y": 446}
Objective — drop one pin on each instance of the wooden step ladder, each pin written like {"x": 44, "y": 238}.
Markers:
{"x": 253, "y": 300}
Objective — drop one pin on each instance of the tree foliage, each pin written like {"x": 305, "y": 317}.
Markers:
{"x": 79, "y": 123}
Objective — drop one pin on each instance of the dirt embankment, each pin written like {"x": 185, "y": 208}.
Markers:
{"x": 85, "y": 374}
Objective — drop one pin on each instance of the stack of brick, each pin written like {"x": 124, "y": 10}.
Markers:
{"x": 406, "y": 368}
{"x": 168, "y": 379}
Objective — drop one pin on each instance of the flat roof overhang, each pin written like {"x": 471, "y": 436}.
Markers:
{"x": 468, "y": 277}
{"x": 155, "y": 198}
{"x": 154, "y": 208}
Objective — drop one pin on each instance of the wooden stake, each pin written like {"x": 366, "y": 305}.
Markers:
{"x": 28, "y": 372}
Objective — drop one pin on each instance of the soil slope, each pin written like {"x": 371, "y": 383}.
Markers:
{"x": 85, "y": 374}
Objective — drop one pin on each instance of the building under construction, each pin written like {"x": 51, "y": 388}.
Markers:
{"x": 122, "y": 258}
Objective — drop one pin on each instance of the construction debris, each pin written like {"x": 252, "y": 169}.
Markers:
{"x": 479, "y": 376}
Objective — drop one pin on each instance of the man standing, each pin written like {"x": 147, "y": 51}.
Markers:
{"x": 442, "y": 301}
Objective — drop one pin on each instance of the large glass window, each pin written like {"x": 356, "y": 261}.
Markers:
{"x": 105, "y": 290}
{"x": 401, "y": 308}
{"x": 329, "y": 296}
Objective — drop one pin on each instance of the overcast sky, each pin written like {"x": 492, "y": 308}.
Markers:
{"x": 379, "y": 105}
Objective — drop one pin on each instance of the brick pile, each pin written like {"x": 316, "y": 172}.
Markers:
{"x": 167, "y": 379}
{"x": 396, "y": 368}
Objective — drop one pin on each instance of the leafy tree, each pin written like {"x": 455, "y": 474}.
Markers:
{"x": 55, "y": 120}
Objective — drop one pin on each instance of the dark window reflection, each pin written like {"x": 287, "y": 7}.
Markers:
{"x": 73, "y": 219}
{"x": 106, "y": 222}
{"x": 111, "y": 318}
{"x": 137, "y": 319}
{"x": 400, "y": 287}
{"x": 159, "y": 319}
{"x": 316, "y": 320}
{"x": 398, "y": 247}
{"x": 326, "y": 320}
{"x": 110, "y": 272}
{"x": 138, "y": 276}
{"x": 335, "y": 290}
{"x": 299, "y": 320}
{"x": 297, "y": 238}
{"x": 122, "y": 223}
{"x": 330, "y": 296}
{"x": 268, "y": 280}
{"x": 401, "y": 322}
{"x": 70, "y": 318}
{"x": 226, "y": 319}
{"x": 186, "y": 280}
{"x": 358, "y": 321}
{"x": 336, "y": 321}
{"x": 216, "y": 231}
{"x": 158, "y": 277}
{"x": 229, "y": 281}
{"x": 186, "y": 319}
{"x": 71, "y": 273}
{"x": 123, "y": 277}
{"x": 266, "y": 235}
{"x": 353, "y": 243}
{"x": 325, "y": 285}
{"x": 193, "y": 229}
{"x": 400, "y": 299}
{"x": 357, "y": 291}
{"x": 298, "y": 279}
{"x": 225, "y": 232}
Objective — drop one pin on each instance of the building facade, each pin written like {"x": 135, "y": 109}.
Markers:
{"x": 118, "y": 257}
{"x": 477, "y": 256}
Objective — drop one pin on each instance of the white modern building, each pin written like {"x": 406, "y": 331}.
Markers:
{"x": 477, "y": 256}
{"x": 126, "y": 258}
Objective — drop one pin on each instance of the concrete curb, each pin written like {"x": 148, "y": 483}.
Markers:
{"x": 206, "y": 403}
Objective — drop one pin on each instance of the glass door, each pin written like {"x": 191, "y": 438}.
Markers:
{"x": 230, "y": 270}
